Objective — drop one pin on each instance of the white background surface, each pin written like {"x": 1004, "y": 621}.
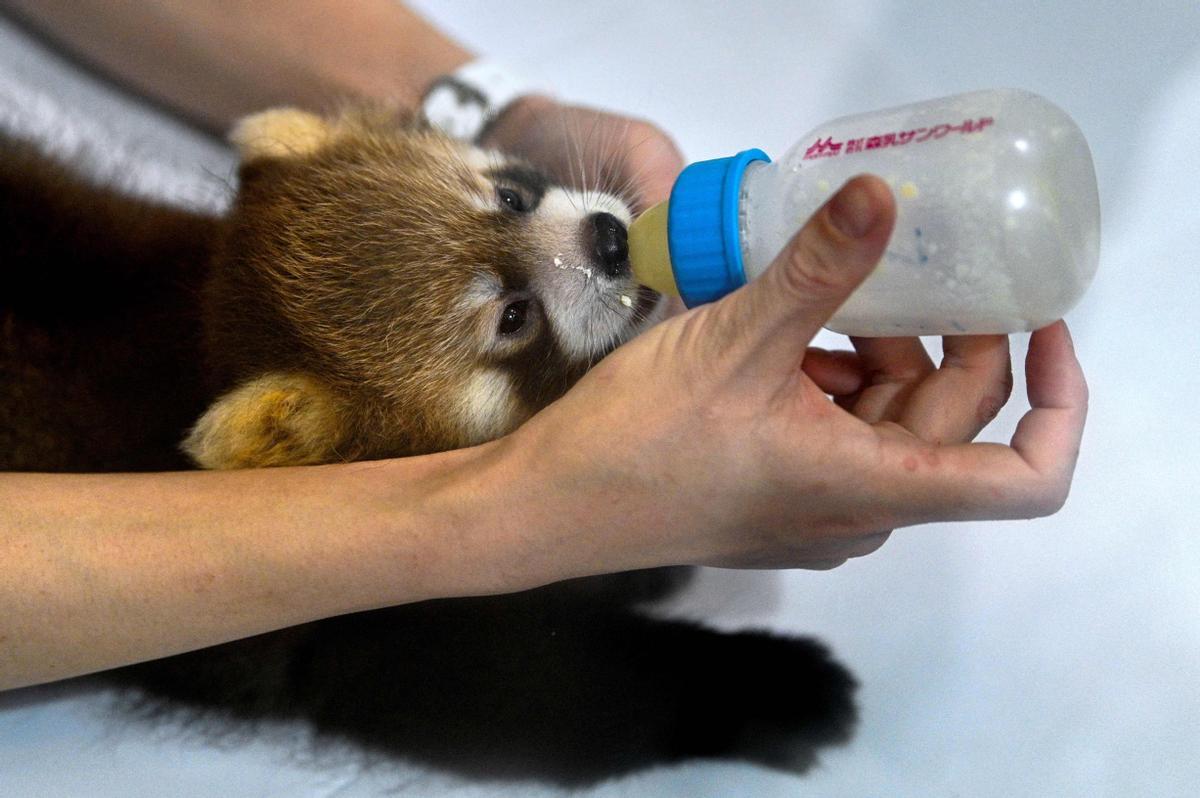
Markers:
{"x": 1058, "y": 657}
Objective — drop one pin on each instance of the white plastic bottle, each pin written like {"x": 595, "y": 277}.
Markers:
{"x": 997, "y": 229}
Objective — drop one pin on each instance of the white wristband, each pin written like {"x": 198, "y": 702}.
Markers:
{"x": 463, "y": 103}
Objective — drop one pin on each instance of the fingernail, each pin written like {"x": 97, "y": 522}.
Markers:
{"x": 853, "y": 211}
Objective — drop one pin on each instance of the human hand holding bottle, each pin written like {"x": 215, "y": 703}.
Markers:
{"x": 712, "y": 438}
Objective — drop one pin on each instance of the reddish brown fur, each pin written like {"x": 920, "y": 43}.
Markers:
{"x": 348, "y": 263}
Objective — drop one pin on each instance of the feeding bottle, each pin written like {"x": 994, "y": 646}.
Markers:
{"x": 997, "y": 226}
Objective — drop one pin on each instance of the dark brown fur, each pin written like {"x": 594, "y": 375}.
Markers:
{"x": 99, "y": 326}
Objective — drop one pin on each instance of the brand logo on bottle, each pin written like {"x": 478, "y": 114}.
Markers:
{"x": 828, "y": 148}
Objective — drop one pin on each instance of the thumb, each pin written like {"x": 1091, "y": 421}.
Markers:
{"x": 815, "y": 273}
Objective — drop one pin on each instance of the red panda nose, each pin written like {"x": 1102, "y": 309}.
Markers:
{"x": 609, "y": 244}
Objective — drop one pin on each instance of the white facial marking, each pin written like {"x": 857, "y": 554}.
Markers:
{"x": 588, "y": 310}
{"x": 481, "y": 290}
{"x": 481, "y": 202}
{"x": 584, "y": 305}
{"x": 487, "y": 405}
{"x": 482, "y": 160}
{"x": 566, "y": 204}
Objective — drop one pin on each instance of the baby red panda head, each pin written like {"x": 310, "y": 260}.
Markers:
{"x": 382, "y": 290}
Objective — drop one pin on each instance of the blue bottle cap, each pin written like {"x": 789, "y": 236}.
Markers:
{"x": 702, "y": 227}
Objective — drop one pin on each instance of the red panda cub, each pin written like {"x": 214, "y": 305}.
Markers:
{"x": 379, "y": 290}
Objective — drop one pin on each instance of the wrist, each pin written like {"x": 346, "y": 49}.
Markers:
{"x": 579, "y": 504}
{"x": 451, "y": 524}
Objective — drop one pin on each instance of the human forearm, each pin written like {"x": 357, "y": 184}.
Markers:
{"x": 216, "y": 61}
{"x": 98, "y": 571}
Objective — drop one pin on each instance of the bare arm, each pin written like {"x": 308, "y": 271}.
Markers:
{"x": 215, "y": 61}
{"x": 106, "y": 570}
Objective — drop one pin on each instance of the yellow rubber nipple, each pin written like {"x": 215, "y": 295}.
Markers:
{"x": 649, "y": 255}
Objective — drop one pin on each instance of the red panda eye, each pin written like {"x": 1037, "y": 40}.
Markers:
{"x": 513, "y": 317}
{"x": 511, "y": 199}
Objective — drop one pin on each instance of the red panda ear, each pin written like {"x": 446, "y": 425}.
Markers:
{"x": 273, "y": 420}
{"x": 280, "y": 133}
